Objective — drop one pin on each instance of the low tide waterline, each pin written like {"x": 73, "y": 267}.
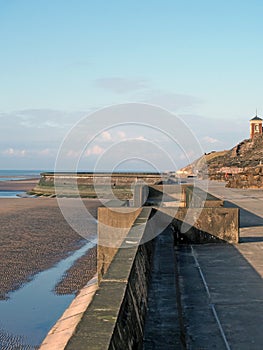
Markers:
{"x": 31, "y": 311}
{"x": 9, "y": 175}
{"x": 10, "y": 194}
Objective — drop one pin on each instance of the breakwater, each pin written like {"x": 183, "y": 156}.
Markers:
{"x": 93, "y": 185}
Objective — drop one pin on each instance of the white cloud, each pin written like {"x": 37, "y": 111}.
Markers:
{"x": 52, "y": 124}
{"x": 11, "y": 152}
{"x": 210, "y": 139}
{"x": 45, "y": 152}
{"x": 122, "y": 135}
{"x": 189, "y": 155}
{"x": 106, "y": 136}
{"x": 43, "y": 118}
{"x": 95, "y": 150}
{"x": 73, "y": 154}
{"x": 141, "y": 138}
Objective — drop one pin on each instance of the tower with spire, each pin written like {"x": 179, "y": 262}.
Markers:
{"x": 255, "y": 126}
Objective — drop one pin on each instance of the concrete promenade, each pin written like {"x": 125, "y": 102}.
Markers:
{"x": 200, "y": 296}
{"x": 162, "y": 321}
{"x": 221, "y": 286}
{"x": 250, "y": 203}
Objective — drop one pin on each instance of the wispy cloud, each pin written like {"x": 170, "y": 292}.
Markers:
{"x": 121, "y": 134}
{"x": 106, "y": 136}
{"x": 95, "y": 150}
{"x": 18, "y": 153}
{"x": 12, "y": 152}
{"x": 49, "y": 118}
{"x": 46, "y": 152}
{"x": 73, "y": 154}
{"x": 209, "y": 139}
{"x": 140, "y": 138}
{"x": 33, "y": 137}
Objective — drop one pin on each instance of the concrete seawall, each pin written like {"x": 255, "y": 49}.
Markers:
{"x": 130, "y": 244}
{"x": 93, "y": 185}
{"x": 115, "y": 318}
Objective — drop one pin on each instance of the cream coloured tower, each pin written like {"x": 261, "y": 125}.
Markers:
{"x": 255, "y": 126}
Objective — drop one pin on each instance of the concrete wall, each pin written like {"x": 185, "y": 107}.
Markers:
{"x": 197, "y": 198}
{"x": 207, "y": 225}
{"x": 93, "y": 184}
{"x": 141, "y": 194}
{"x": 113, "y": 226}
{"x": 118, "y": 179}
{"x": 115, "y": 318}
{"x": 165, "y": 194}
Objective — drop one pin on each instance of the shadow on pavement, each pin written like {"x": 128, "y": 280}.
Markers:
{"x": 247, "y": 219}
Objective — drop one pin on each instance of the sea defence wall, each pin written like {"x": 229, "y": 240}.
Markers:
{"x": 115, "y": 318}
{"x": 113, "y": 227}
{"x": 93, "y": 184}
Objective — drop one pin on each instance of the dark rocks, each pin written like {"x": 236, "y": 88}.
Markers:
{"x": 240, "y": 167}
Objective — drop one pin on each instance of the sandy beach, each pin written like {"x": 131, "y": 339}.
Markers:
{"x": 35, "y": 236}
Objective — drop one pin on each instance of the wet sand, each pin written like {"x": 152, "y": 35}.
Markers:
{"x": 34, "y": 236}
{"x": 78, "y": 275}
{"x": 18, "y": 185}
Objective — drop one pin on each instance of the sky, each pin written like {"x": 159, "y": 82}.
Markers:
{"x": 62, "y": 61}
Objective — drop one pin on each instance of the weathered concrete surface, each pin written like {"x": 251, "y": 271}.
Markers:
{"x": 165, "y": 195}
{"x": 141, "y": 193}
{"x": 235, "y": 290}
{"x": 250, "y": 203}
{"x": 221, "y": 284}
{"x": 221, "y": 291}
{"x": 196, "y": 197}
{"x": 226, "y": 281}
{"x": 115, "y": 318}
{"x": 162, "y": 326}
{"x": 62, "y": 331}
{"x": 113, "y": 225}
{"x": 205, "y": 225}
{"x": 102, "y": 185}
{"x": 208, "y": 225}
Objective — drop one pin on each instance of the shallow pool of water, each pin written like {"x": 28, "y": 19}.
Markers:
{"x": 10, "y": 194}
{"x": 33, "y": 309}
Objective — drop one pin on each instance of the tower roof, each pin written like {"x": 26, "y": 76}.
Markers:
{"x": 256, "y": 118}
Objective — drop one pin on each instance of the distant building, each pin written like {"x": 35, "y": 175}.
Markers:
{"x": 255, "y": 127}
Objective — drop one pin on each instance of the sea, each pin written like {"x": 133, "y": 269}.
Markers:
{"x": 9, "y": 175}
{"x": 12, "y": 175}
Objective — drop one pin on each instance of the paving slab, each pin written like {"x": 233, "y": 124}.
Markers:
{"x": 221, "y": 285}
{"x": 162, "y": 325}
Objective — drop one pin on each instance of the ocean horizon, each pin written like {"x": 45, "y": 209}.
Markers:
{"x": 11, "y": 175}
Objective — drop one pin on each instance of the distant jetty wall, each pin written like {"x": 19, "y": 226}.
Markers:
{"x": 93, "y": 184}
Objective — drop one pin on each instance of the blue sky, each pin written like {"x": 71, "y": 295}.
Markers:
{"x": 61, "y": 60}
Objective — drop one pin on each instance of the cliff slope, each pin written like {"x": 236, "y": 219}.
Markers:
{"x": 242, "y": 166}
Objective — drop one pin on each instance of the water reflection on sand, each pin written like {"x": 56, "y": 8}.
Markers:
{"x": 30, "y": 312}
